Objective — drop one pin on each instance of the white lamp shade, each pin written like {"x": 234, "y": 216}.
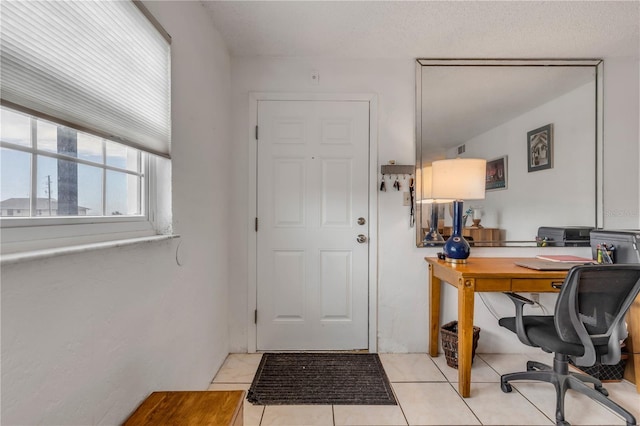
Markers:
{"x": 460, "y": 178}
{"x": 425, "y": 176}
{"x": 421, "y": 192}
{"x": 426, "y": 184}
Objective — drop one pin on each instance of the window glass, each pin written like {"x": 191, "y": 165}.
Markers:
{"x": 122, "y": 156}
{"x": 47, "y": 136}
{"x": 89, "y": 190}
{"x": 15, "y": 179}
{"x": 123, "y": 194}
{"x": 47, "y": 186}
{"x": 15, "y": 127}
{"x": 90, "y": 148}
{"x": 70, "y": 186}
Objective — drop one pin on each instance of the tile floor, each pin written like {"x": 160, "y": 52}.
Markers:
{"x": 426, "y": 391}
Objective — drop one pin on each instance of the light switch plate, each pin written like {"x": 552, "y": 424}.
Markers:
{"x": 406, "y": 200}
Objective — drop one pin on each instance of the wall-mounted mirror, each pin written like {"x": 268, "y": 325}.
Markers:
{"x": 538, "y": 123}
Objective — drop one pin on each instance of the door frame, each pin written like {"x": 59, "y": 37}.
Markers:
{"x": 252, "y": 293}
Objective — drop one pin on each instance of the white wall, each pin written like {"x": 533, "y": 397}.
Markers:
{"x": 86, "y": 337}
{"x": 622, "y": 133}
{"x": 402, "y": 272}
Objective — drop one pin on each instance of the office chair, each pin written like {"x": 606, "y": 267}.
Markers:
{"x": 587, "y": 326}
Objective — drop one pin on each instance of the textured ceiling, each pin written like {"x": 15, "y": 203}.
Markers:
{"x": 444, "y": 29}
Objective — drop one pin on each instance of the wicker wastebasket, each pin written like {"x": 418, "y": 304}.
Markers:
{"x": 449, "y": 334}
{"x": 603, "y": 372}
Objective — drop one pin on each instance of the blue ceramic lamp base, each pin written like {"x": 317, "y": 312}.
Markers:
{"x": 457, "y": 249}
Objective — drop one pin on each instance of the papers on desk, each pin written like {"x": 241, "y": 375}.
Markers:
{"x": 565, "y": 258}
{"x": 547, "y": 265}
{"x": 551, "y": 262}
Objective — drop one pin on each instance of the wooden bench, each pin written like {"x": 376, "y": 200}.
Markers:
{"x": 190, "y": 408}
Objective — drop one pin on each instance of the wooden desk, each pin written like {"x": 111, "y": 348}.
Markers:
{"x": 215, "y": 408}
{"x": 478, "y": 274}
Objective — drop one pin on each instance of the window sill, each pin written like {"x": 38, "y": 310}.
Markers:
{"x": 26, "y": 256}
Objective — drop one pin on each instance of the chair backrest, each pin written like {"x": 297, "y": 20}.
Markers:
{"x": 591, "y": 307}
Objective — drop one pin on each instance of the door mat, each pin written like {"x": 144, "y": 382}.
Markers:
{"x": 320, "y": 378}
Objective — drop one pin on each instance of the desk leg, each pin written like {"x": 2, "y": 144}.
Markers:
{"x": 435, "y": 286}
{"x": 636, "y": 364}
{"x": 465, "y": 335}
{"x": 633, "y": 344}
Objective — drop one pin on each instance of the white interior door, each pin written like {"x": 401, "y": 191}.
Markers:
{"x": 312, "y": 204}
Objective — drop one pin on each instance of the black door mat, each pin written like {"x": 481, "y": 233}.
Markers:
{"x": 320, "y": 378}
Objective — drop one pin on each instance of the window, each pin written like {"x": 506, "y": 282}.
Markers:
{"x": 53, "y": 170}
{"x": 84, "y": 121}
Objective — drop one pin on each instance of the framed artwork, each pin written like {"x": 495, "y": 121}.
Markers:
{"x": 496, "y": 176}
{"x": 540, "y": 148}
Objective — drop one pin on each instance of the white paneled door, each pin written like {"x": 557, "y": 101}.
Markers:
{"x": 312, "y": 239}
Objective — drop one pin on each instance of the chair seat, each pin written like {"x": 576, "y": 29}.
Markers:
{"x": 541, "y": 331}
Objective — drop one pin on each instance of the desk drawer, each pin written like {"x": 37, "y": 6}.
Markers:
{"x": 493, "y": 284}
{"x": 535, "y": 285}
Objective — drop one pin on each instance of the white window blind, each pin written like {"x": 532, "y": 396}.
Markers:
{"x": 99, "y": 66}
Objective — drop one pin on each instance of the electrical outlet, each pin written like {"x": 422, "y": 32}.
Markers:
{"x": 535, "y": 297}
{"x": 406, "y": 199}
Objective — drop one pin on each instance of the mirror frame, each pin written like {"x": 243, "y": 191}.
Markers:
{"x": 597, "y": 64}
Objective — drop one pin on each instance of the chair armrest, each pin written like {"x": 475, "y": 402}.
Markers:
{"x": 519, "y": 302}
{"x": 519, "y": 299}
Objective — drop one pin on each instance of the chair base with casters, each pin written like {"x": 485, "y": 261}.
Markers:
{"x": 586, "y": 327}
{"x": 563, "y": 379}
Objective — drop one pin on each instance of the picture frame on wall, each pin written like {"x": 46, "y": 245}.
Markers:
{"x": 496, "y": 176}
{"x": 540, "y": 148}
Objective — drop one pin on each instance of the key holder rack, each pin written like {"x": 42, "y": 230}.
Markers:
{"x": 395, "y": 172}
{"x": 396, "y": 169}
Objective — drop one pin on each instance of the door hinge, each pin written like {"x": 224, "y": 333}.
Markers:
{"x": 256, "y": 224}
{"x": 256, "y": 132}
{"x": 255, "y": 316}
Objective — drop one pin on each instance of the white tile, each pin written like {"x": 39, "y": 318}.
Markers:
{"x": 511, "y": 363}
{"x": 298, "y": 415}
{"x": 362, "y": 415}
{"x": 578, "y": 408}
{"x": 480, "y": 370}
{"x": 238, "y": 368}
{"x": 437, "y": 402}
{"x": 494, "y": 407}
{"x": 228, "y": 386}
{"x": 411, "y": 368}
{"x": 626, "y": 394}
{"x": 252, "y": 414}
{"x": 433, "y": 404}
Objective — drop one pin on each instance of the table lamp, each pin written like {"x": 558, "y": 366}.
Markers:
{"x": 432, "y": 236}
{"x": 459, "y": 179}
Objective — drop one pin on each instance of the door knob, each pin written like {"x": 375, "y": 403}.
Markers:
{"x": 361, "y": 221}
{"x": 361, "y": 239}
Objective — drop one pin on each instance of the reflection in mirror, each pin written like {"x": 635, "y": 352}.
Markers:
{"x": 538, "y": 125}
